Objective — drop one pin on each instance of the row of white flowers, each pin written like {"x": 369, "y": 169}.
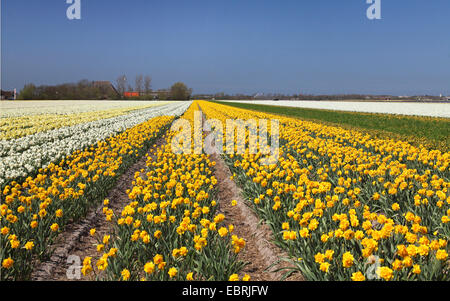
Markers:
{"x": 20, "y": 157}
{"x": 110, "y": 125}
{"x": 66, "y": 107}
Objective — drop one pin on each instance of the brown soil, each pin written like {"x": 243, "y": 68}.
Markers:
{"x": 77, "y": 241}
{"x": 262, "y": 256}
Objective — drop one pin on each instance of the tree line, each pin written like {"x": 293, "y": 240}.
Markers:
{"x": 97, "y": 90}
{"x": 83, "y": 89}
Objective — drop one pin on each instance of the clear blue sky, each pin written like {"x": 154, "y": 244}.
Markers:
{"x": 284, "y": 46}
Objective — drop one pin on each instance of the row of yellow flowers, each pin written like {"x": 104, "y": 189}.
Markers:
{"x": 171, "y": 228}
{"x": 34, "y": 211}
{"x": 346, "y": 205}
{"x": 16, "y": 127}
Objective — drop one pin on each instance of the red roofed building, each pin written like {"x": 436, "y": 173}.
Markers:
{"x": 131, "y": 94}
{"x": 159, "y": 94}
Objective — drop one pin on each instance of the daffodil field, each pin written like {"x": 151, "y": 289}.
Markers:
{"x": 39, "y": 202}
{"x": 50, "y": 142}
{"x": 171, "y": 228}
{"x": 342, "y": 205}
{"x": 346, "y": 206}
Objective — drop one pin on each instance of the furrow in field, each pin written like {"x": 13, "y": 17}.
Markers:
{"x": 263, "y": 257}
{"x": 170, "y": 229}
{"x": 78, "y": 241}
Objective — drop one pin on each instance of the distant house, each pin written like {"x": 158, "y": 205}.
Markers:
{"x": 107, "y": 89}
{"x": 131, "y": 94}
{"x": 159, "y": 94}
{"x": 162, "y": 94}
{"x": 7, "y": 95}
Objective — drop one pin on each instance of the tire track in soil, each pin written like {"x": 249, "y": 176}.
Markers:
{"x": 259, "y": 251}
{"x": 76, "y": 240}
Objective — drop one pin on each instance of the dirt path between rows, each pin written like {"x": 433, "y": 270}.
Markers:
{"x": 261, "y": 254}
{"x": 76, "y": 239}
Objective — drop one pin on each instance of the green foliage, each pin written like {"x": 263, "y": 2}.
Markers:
{"x": 28, "y": 92}
{"x": 179, "y": 91}
{"x": 84, "y": 89}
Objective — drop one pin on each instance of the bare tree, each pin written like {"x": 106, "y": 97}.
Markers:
{"x": 121, "y": 84}
{"x": 139, "y": 83}
{"x": 147, "y": 84}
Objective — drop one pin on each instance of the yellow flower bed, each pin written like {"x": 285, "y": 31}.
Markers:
{"x": 33, "y": 212}
{"x": 170, "y": 230}
{"x": 347, "y": 206}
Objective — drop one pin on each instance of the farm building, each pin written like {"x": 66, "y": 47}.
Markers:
{"x": 7, "y": 95}
{"x": 131, "y": 94}
{"x": 159, "y": 94}
{"x": 106, "y": 88}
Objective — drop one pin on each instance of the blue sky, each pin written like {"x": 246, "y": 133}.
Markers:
{"x": 248, "y": 46}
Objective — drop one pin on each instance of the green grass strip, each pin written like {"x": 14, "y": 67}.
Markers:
{"x": 431, "y": 132}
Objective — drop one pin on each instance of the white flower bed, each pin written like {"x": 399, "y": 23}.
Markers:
{"x": 402, "y": 108}
{"x": 66, "y": 107}
{"x": 20, "y": 157}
